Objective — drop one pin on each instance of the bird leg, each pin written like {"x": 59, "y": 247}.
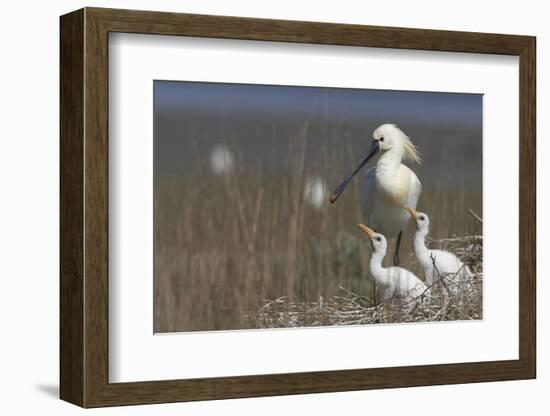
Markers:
{"x": 397, "y": 245}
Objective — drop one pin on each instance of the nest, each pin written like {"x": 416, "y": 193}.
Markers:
{"x": 447, "y": 300}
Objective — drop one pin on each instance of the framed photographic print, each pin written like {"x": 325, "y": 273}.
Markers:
{"x": 255, "y": 207}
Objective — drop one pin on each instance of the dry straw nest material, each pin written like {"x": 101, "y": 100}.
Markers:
{"x": 446, "y": 302}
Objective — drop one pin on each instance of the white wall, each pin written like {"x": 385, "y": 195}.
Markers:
{"x": 29, "y": 206}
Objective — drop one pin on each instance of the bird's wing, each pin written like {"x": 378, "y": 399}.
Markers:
{"x": 446, "y": 262}
{"x": 405, "y": 281}
{"x": 415, "y": 189}
{"x": 367, "y": 194}
{"x": 451, "y": 268}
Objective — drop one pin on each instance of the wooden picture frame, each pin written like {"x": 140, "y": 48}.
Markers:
{"x": 84, "y": 207}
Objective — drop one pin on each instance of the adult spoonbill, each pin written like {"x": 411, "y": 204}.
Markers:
{"x": 447, "y": 264}
{"x": 389, "y": 185}
{"x": 391, "y": 282}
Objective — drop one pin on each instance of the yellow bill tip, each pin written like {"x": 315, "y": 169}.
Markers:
{"x": 366, "y": 230}
{"x": 410, "y": 211}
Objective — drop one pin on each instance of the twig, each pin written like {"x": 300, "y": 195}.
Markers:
{"x": 439, "y": 274}
{"x": 477, "y": 217}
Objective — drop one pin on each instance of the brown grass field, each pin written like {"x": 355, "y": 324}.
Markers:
{"x": 228, "y": 246}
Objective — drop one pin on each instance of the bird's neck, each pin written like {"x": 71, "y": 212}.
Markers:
{"x": 420, "y": 249}
{"x": 390, "y": 181}
{"x": 389, "y": 162}
{"x": 377, "y": 271}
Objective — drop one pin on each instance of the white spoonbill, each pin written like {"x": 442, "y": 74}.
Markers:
{"x": 447, "y": 264}
{"x": 389, "y": 185}
{"x": 391, "y": 282}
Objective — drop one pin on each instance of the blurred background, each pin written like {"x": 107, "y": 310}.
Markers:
{"x": 242, "y": 179}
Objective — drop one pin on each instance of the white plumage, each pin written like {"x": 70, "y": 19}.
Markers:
{"x": 389, "y": 185}
{"x": 391, "y": 282}
{"x": 381, "y": 209}
{"x": 447, "y": 265}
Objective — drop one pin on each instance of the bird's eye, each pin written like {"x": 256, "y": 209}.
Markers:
{"x": 381, "y": 139}
{"x": 422, "y": 218}
{"x": 378, "y": 239}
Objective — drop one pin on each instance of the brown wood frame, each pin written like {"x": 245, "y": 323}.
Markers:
{"x": 84, "y": 208}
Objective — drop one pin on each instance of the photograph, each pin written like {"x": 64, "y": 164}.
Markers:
{"x": 279, "y": 206}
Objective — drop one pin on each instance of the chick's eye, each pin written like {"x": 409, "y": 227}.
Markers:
{"x": 378, "y": 239}
{"x": 421, "y": 218}
{"x": 381, "y": 139}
